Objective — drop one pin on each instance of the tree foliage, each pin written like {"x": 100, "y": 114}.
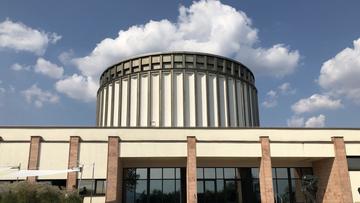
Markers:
{"x": 24, "y": 192}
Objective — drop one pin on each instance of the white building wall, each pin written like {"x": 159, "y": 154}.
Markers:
{"x": 93, "y": 153}
{"x": 178, "y": 99}
{"x": 54, "y": 156}
{"x": 355, "y": 184}
{"x": 13, "y": 154}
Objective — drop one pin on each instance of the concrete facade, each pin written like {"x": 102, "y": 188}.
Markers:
{"x": 111, "y": 149}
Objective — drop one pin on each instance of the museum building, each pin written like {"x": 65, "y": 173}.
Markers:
{"x": 180, "y": 127}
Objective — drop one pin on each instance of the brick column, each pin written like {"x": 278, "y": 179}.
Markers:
{"x": 334, "y": 180}
{"x": 191, "y": 179}
{"x": 74, "y": 151}
{"x": 114, "y": 176}
{"x": 34, "y": 156}
{"x": 265, "y": 176}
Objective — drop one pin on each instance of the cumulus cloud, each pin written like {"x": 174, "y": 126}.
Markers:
{"x": 208, "y": 26}
{"x": 205, "y": 26}
{"x": 312, "y": 122}
{"x": 286, "y": 89}
{"x": 66, "y": 57}
{"x": 295, "y": 121}
{"x": 315, "y": 122}
{"x": 38, "y": 96}
{"x": 316, "y": 102}
{"x": 78, "y": 87}
{"x": 271, "y": 99}
{"x": 47, "y": 68}
{"x": 20, "y": 67}
{"x": 340, "y": 74}
{"x": 19, "y": 37}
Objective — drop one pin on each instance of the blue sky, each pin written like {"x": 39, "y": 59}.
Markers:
{"x": 305, "y": 54}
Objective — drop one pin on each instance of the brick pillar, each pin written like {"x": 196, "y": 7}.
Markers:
{"x": 265, "y": 176}
{"x": 34, "y": 156}
{"x": 334, "y": 180}
{"x": 114, "y": 175}
{"x": 74, "y": 151}
{"x": 191, "y": 179}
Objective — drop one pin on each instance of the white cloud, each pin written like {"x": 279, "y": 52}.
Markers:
{"x": 286, "y": 89}
{"x": 49, "y": 69}
{"x": 340, "y": 75}
{"x": 316, "y": 102}
{"x": 38, "y": 96}
{"x": 295, "y": 121}
{"x": 270, "y": 99}
{"x": 312, "y": 122}
{"x": 78, "y": 87}
{"x": 316, "y": 122}
{"x": 17, "y": 36}
{"x": 66, "y": 57}
{"x": 20, "y": 67}
{"x": 207, "y": 26}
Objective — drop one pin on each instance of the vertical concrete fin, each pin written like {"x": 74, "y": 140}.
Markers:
{"x": 265, "y": 176}
{"x": 334, "y": 180}
{"x": 34, "y": 156}
{"x": 74, "y": 152}
{"x": 114, "y": 174}
{"x": 191, "y": 179}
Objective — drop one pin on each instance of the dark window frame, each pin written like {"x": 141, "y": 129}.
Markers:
{"x": 350, "y": 168}
{"x": 94, "y": 184}
{"x": 177, "y": 179}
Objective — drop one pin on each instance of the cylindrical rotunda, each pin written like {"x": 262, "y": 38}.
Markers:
{"x": 177, "y": 89}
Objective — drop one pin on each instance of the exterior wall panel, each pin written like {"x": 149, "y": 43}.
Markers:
{"x": 178, "y": 91}
{"x": 48, "y": 162}
{"x": 93, "y": 153}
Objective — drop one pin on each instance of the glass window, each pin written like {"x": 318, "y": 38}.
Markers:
{"x": 255, "y": 172}
{"x": 86, "y": 187}
{"x": 354, "y": 163}
{"x": 210, "y": 194}
{"x": 100, "y": 187}
{"x": 209, "y": 173}
{"x": 130, "y": 173}
{"x": 220, "y": 190}
{"x": 155, "y": 173}
{"x": 287, "y": 184}
{"x": 200, "y": 173}
{"x": 129, "y": 193}
{"x": 229, "y": 173}
{"x": 281, "y": 173}
{"x": 283, "y": 193}
{"x": 178, "y": 173}
{"x": 230, "y": 187}
{"x": 141, "y": 191}
{"x": 219, "y": 173}
{"x": 153, "y": 185}
{"x": 169, "y": 191}
{"x": 225, "y": 185}
{"x": 141, "y": 173}
{"x": 169, "y": 173}
{"x": 155, "y": 191}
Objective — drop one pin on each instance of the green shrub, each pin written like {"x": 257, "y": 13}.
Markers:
{"x": 24, "y": 192}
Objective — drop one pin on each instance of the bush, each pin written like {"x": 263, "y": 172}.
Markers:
{"x": 24, "y": 192}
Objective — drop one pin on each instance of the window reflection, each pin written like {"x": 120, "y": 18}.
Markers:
{"x": 153, "y": 185}
{"x": 287, "y": 184}
{"x": 227, "y": 185}
{"x": 88, "y": 187}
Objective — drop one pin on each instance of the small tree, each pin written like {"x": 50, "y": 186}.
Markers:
{"x": 24, "y": 192}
